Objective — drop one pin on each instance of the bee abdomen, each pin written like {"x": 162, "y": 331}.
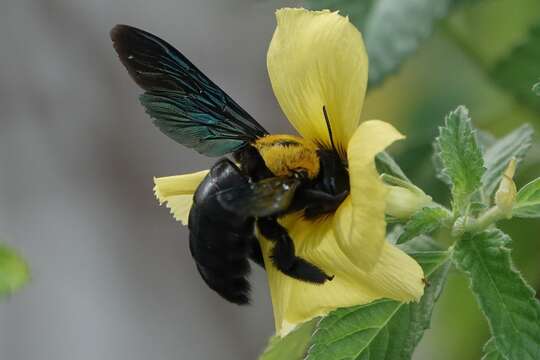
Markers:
{"x": 220, "y": 240}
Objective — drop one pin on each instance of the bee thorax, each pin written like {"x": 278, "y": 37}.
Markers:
{"x": 287, "y": 155}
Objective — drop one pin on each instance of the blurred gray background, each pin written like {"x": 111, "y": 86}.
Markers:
{"x": 112, "y": 273}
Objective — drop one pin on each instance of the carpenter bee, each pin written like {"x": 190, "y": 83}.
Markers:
{"x": 268, "y": 176}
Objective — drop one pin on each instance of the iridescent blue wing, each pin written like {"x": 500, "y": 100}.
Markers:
{"x": 184, "y": 104}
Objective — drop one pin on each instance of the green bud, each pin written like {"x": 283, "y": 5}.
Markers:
{"x": 402, "y": 203}
{"x": 505, "y": 196}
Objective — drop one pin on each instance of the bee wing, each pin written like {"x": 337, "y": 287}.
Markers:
{"x": 264, "y": 198}
{"x": 184, "y": 104}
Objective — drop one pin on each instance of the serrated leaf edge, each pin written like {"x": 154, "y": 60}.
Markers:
{"x": 505, "y": 240}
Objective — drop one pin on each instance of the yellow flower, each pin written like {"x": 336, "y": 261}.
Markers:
{"x": 177, "y": 191}
{"x": 316, "y": 59}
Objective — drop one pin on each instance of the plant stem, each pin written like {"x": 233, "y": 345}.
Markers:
{"x": 488, "y": 218}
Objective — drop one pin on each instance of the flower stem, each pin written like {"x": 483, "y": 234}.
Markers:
{"x": 488, "y": 218}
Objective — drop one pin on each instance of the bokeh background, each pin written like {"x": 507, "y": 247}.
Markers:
{"x": 112, "y": 275}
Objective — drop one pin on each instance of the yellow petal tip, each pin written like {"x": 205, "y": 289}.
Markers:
{"x": 317, "y": 59}
{"x": 177, "y": 192}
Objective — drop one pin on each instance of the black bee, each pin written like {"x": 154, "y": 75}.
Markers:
{"x": 271, "y": 175}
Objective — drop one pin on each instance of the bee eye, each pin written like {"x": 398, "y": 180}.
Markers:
{"x": 299, "y": 174}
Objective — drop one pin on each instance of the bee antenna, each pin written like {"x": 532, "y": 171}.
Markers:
{"x": 328, "y": 127}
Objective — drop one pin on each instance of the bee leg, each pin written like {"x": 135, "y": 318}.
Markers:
{"x": 255, "y": 253}
{"x": 283, "y": 254}
{"x": 320, "y": 202}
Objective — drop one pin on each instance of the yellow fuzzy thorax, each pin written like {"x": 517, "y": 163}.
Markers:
{"x": 287, "y": 154}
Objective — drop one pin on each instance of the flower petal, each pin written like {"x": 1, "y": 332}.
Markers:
{"x": 359, "y": 223}
{"x": 316, "y": 59}
{"x": 395, "y": 276}
{"x": 177, "y": 191}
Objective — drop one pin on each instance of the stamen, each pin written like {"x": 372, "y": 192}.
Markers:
{"x": 329, "y": 127}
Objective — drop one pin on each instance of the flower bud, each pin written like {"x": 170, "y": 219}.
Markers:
{"x": 506, "y": 194}
{"x": 402, "y": 203}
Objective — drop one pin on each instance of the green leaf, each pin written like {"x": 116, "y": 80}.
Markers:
{"x": 392, "y": 29}
{"x": 515, "y": 71}
{"x": 514, "y": 145}
{"x": 292, "y": 346}
{"x": 477, "y": 207}
{"x": 387, "y": 165}
{"x": 536, "y": 88}
{"x": 485, "y": 140}
{"x": 393, "y": 233}
{"x": 14, "y": 272}
{"x": 491, "y": 352}
{"x": 383, "y": 329}
{"x": 506, "y": 300}
{"x": 425, "y": 221}
{"x": 528, "y": 201}
{"x": 421, "y": 244}
{"x": 460, "y": 156}
{"x": 439, "y": 165}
